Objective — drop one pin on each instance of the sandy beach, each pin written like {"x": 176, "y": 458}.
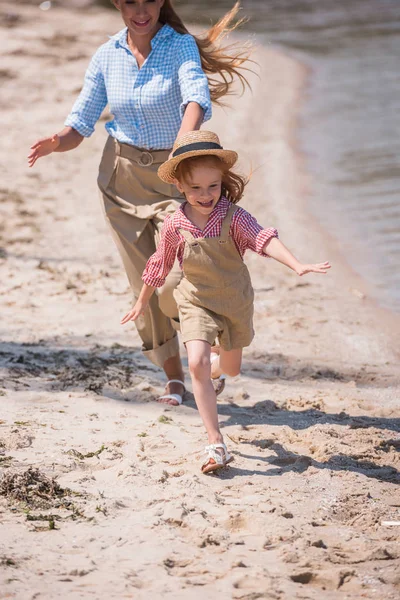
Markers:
{"x": 101, "y": 494}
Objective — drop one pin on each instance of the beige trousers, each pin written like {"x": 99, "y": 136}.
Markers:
{"x": 135, "y": 203}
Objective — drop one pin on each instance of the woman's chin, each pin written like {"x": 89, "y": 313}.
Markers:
{"x": 144, "y": 29}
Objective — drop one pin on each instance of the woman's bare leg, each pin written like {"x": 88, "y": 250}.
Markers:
{"x": 173, "y": 370}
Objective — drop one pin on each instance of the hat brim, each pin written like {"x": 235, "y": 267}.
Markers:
{"x": 166, "y": 171}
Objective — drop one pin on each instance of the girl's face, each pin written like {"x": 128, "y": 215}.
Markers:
{"x": 202, "y": 188}
{"x": 140, "y": 16}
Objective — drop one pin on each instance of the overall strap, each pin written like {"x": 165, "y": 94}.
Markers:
{"x": 189, "y": 237}
{"x": 226, "y": 223}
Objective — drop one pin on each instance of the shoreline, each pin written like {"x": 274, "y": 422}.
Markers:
{"x": 349, "y": 279}
{"x": 366, "y": 288}
{"x": 356, "y": 283}
{"x": 312, "y": 421}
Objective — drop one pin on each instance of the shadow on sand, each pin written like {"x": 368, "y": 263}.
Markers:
{"x": 110, "y": 371}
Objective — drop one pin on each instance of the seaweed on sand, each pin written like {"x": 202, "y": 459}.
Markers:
{"x": 32, "y": 487}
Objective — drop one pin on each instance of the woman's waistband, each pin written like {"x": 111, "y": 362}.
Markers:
{"x": 143, "y": 157}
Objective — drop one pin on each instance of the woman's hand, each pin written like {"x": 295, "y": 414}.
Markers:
{"x": 67, "y": 139}
{"x": 43, "y": 147}
{"x": 318, "y": 268}
{"x": 136, "y": 312}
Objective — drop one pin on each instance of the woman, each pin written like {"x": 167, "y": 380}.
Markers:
{"x": 158, "y": 82}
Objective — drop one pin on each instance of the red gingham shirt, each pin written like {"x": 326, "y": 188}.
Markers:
{"x": 245, "y": 231}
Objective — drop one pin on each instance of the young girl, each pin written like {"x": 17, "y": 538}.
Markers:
{"x": 210, "y": 235}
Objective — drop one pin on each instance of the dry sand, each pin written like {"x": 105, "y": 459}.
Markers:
{"x": 313, "y": 421}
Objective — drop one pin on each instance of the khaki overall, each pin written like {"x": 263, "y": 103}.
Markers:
{"x": 135, "y": 204}
{"x": 215, "y": 296}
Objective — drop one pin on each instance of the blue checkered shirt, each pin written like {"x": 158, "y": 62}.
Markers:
{"x": 147, "y": 103}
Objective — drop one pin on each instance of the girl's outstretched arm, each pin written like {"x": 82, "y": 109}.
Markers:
{"x": 67, "y": 139}
{"x": 141, "y": 304}
{"x": 275, "y": 249}
{"x": 157, "y": 268}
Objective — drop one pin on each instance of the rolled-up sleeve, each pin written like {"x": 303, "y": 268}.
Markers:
{"x": 192, "y": 79}
{"x": 91, "y": 101}
{"x": 161, "y": 262}
{"x": 249, "y": 233}
{"x": 263, "y": 238}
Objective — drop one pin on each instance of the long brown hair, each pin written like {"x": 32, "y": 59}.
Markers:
{"x": 224, "y": 61}
{"x": 233, "y": 184}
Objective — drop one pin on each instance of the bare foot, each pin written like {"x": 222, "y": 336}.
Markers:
{"x": 172, "y": 388}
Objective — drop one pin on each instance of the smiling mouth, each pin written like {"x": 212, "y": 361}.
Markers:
{"x": 142, "y": 23}
{"x": 205, "y": 204}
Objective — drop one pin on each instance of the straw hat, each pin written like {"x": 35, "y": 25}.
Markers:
{"x": 195, "y": 143}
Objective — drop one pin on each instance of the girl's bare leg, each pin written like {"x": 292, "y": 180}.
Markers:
{"x": 206, "y": 400}
{"x": 228, "y": 362}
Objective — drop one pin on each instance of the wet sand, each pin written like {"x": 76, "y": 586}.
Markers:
{"x": 313, "y": 421}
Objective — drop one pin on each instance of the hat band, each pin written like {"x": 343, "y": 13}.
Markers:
{"x": 196, "y": 146}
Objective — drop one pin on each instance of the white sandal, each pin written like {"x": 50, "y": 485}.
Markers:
{"x": 177, "y": 397}
{"x": 219, "y": 460}
{"x": 218, "y": 382}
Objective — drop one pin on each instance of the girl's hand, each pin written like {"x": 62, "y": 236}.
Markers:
{"x": 133, "y": 314}
{"x": 43, "y": 147}
{"x": 318, "y": 268}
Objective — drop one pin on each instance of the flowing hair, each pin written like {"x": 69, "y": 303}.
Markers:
{"x": 225, "y": 62}
{"x": 233, "y": 184}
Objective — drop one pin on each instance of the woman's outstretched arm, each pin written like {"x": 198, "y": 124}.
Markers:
{"x": 67, "y": 139}
{"x": 192, "y": 119}
{"x": 196, "y": 102}
{"x": 81, "y": 121}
